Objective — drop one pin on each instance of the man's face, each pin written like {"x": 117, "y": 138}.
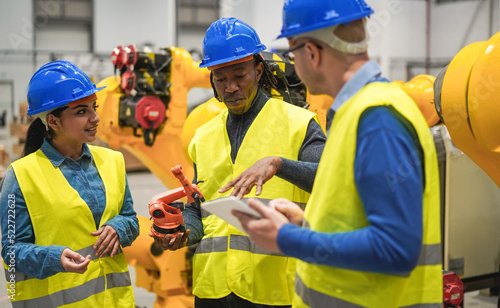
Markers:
{"x": 237, "y": 85}
{"x": 298, "y": 47}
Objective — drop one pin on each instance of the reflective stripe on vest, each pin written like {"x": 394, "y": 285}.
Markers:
{"x": 84, "y": 252}
{"x": 429, "y": 254}
{"x": 78, "y": 293}
{"x": 236, "y": 264}
{"x": 314, "y": 298}
{"x": 89, "y": 250}
{"x": 212, "y": 244}
{"x": 335, "y": 184}
{"x": 237, "y": 242}
{"x": 243, "y": 242}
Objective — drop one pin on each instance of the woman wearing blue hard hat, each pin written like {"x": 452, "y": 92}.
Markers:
{"x": 66, "y": 207}
{"x": 238, "y": 153}
{"x": 370, "y": 234}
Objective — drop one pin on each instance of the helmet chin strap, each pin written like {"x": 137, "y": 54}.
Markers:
{"x": 43, "y": 116}
{"x": 327, "y": 35}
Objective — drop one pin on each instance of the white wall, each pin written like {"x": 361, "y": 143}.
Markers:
{"x": 263, "y": 15}
{"x": 452, "y": 29}
{"x": 16, "y": 43}
{"x": 190, "y": 39}
{"x": 124, "y": 22}
{"x": 75, "y": 38}
{"x": 16, "y": 27}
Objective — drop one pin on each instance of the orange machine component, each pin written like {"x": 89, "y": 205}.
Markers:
{"x": 166, "y": 212}
{"x": 158, "y": 271}
{"x": 421, "y": 90}
{"x": 469, "y": 106}
{"x": 166, "y": 209}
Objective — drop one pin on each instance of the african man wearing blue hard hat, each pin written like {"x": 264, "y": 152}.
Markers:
{"x": 258, "y": 147}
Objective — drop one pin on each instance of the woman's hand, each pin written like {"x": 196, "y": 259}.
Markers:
{"x": 73, "y": 262}
{"x": 107, "y": 242}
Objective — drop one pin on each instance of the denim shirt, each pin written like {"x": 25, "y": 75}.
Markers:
{"x": 44, "y": 261}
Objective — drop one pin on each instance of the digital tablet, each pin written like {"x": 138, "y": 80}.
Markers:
{"x": 222, "y": 208}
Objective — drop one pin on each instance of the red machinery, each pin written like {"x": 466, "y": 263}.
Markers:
{"x": 166, "y": 209}
{"x": 126, "y": 57}
{"x": 453, "y": 290}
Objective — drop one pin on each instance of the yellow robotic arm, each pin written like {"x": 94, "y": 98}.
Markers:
{"x": 467, "y": 96}
{"x": 421, "y": 90}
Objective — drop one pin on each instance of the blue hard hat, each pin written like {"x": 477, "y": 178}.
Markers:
{"x": 57, "y": 83}
{"x": 302, "y": 16}
{"x": 229, "y": 39}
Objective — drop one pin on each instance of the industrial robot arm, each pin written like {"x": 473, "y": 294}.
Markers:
{"x": 168, "y": 227}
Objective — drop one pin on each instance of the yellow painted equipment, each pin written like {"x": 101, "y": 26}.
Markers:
{"x": 161, "y": 272}
{"x": 466, "y": 100}
{"x": 469, "y": 103}
{"x": 421, "y": 90}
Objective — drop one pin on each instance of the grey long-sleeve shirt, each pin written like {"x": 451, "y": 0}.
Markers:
{"x": 300, "y": 172}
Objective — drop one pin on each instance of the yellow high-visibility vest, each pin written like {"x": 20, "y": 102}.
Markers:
{"x": 61, "y": 217}
{"x": 335, "y": 206}
{"x": 226, "y": 260}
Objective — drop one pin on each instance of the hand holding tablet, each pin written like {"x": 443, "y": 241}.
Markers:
{"x": 222, "y": 208}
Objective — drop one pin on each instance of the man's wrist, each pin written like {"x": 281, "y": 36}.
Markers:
{"x": 277, "y": 163}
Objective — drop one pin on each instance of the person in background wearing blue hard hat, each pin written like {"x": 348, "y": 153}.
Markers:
{"x": 370, "y": 235}
{"x": 66, "y": 206}
{"x": 244, "y": 146}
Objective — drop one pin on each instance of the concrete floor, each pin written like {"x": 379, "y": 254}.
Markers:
{"x": 145, "y": 185}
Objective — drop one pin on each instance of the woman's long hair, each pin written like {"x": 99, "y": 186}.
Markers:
{"x": 37, "y": 131}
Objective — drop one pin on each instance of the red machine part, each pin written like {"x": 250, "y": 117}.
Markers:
{"x": 453, "y": 290}
{"x": 126, "y": 56}
{"x": 131, "y": 52}
{"x": 166, "y": 209}
{"x": 118, "y": 56}
{"x": 193, "y": 193}
{"x": 150, "y": 112}
{"x": 128, "y": 81}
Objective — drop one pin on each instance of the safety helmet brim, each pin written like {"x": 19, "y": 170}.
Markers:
{"x": 230, "y": 59}
{"x": 55, "y": 84}
{"x": 63, "y": 103}
{"x": 228, "y": 40}
{"x": 300, "y": 17}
